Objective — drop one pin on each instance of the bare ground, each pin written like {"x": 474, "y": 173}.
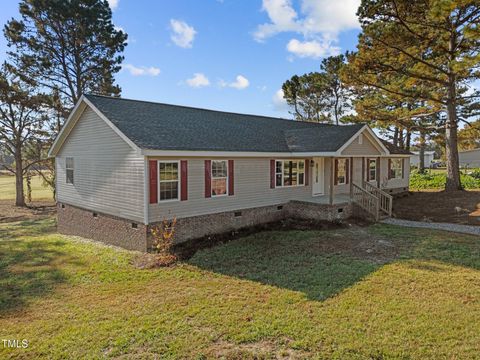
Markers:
{"x": 35, "y": 210}
{"x": 460, "y": 207}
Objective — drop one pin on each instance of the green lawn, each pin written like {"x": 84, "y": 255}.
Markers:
{"x": 39, "y": 192}
{"x": 380, "y": 292}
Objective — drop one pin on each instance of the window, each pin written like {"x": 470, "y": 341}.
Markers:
{"x": 342, "y": 171}
{"x": 169, "y": 179}
{"x": 289, "y": 173}
{"x": 69, "y": 170}
{"x": 372, "y": 169}
{"x": 219, "y": 177}
{"x": 396, "y": 168}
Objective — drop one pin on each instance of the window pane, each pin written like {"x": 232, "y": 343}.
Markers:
{"x": 301, "y": 179}
{"x": 301, "y": 165}
{"x": 69, "y": 163}
{"x": 278, "y": 180}
{"x": 219, "y": 168}
{"x": 69, "y": 174}
{"x": 219, "y": 187}
{"x": 169, "y": 190}
{"x": 278, "y": 167}
{"x": 168, "y": 171}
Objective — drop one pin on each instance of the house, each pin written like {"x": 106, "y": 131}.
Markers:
{"x": 427, "y": 158}
{"x": 469, "y": 158}
{"x": 124, "y": 165}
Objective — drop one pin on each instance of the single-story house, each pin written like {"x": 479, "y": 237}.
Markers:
{"x": 428, "y": 157}
{"x": 469, "y": 158}
{"x": 125, "y": 165}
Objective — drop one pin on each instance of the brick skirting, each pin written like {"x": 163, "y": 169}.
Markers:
{"x": 120, "y": 232}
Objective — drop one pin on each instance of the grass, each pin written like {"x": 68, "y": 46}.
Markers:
{"x": 381, "y": 292}
{"x": 436, "y": 178}
{"x": 39, "y": 192}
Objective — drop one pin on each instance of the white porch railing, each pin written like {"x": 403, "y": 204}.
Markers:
{"x": 366, "y": 200}
{"x": 386, "y": 200}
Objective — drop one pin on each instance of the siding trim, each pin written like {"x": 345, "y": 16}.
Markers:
{"x": 145, "y": 191}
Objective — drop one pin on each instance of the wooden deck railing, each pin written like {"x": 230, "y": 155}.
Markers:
{"x": 386, "y": 200}
{"x": 366, "y": 200}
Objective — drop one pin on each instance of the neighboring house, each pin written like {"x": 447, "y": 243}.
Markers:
{"x": 125, "y": 165}
{"x": 428, "y": 158}
{"x": 469, "y": 158}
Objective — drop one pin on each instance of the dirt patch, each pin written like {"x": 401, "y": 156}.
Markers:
{"x": 187, "y": 249}
{"x": 35, "y": 210}
{"x": 459, "y": 207}
{"x": 255, "y": 350}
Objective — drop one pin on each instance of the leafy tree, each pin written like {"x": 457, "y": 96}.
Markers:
{"x": 319, "y": 96}
{"x": 338, "y": 100}
{"x": 306, "y": 95}
{"x": 22, "y": 120}
{"x": 423, "y": 51}
{"x": 70, "y": 47}
{"x": 469, "y": 136}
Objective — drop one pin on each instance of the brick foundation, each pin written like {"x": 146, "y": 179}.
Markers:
{"x": 105, "y": 228}
{"x": 117, "y": 231}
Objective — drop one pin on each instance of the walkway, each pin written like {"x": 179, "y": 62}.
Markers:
{"x": 464, "y": 229}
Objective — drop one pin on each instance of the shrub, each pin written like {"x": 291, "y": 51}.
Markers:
{"x": 163, "y": 236}
{"x": 437, "y": 181}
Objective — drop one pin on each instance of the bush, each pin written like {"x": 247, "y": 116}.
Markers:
{"x": 437, "y": 181}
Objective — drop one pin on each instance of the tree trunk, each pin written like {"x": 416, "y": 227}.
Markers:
{"x": 19, "y": 195}
{"x": 451, "y": 141}
{"x": 395, "y": 136}
{"x": 421, "y": 155}
{"x": 408, "y": 140}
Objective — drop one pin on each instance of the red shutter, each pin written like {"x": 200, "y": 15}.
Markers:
{"x": 231, "y": 177}
{"x": 403, "y": 168}
{"x": 208, "y": 178}
{"x": 272, "y": 174}
{"x": 347, "y": 171}
{"x": 307, "y": 171}
{"x": 184, "y": 180}
{"x": 336, "y": 172}
{"x": 389, "y": 169}
{"x": 153, "y": 175}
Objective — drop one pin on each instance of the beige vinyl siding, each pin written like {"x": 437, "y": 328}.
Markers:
{"x": 108, "y": 173}
{"x": 344, "y": 188}
{"x": 252, "y": 189}
{"x": 367, "y": 146}
{"x": 470, "y": 159}
{"x": 394, "y": 183}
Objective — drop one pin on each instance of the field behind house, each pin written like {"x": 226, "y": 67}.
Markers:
{"x": 378, "y": 292}
{"x": 39, "y": 191}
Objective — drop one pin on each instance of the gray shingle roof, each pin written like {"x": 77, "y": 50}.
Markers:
{"x": 159, "y": 126}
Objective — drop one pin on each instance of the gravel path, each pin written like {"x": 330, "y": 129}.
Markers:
{"x": 465, "y": 229}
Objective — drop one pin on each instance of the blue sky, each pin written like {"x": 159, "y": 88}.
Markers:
{"x": 230, "y": 55}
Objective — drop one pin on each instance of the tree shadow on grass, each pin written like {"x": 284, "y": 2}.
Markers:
{"x": 323, "y": 263}
{"x": 29, "y": 267}
{"x": 291, "y": 260}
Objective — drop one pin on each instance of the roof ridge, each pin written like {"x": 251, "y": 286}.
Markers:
{"x": 314, "y": 124}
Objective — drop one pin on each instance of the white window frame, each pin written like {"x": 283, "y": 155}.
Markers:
{"x": 219, "y": 177}
{"x": 368, "y": 169}
{"x": 282, "y": 161}
{"x": 399, "y": 171}
{"x": 347, "y": 169}
{"x": 159, "y": 200}
{"x": 68, "y": 168}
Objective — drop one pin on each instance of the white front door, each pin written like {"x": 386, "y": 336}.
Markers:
{"x": 318, "y": 187}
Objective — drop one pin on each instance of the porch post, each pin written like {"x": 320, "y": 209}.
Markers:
{"x": 332, "y": 176}
{"x": 363, "y": 170}
{"x": 351, "y": 177}
{"x": 378, "y": 172}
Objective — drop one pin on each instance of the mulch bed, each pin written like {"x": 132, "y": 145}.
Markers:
{"x": 459, "y": 207}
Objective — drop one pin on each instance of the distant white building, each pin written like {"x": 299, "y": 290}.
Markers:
{"x": 470, "y": 158}
{"x": 415, "y": 158}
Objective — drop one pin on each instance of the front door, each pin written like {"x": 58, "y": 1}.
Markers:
{"x": 318, "y": 177}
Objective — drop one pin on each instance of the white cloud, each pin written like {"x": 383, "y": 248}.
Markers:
{"x": 183, "y": 34}
{"x": 142, "y": 70}
{"x": 313, "y": 49}
{"x": 240, "y": 83}
{"x": 279, "y": 102}
{"x": 113, "y": 4}
{"x": 198, "y": 80}
{"x": 320, "y": 21}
